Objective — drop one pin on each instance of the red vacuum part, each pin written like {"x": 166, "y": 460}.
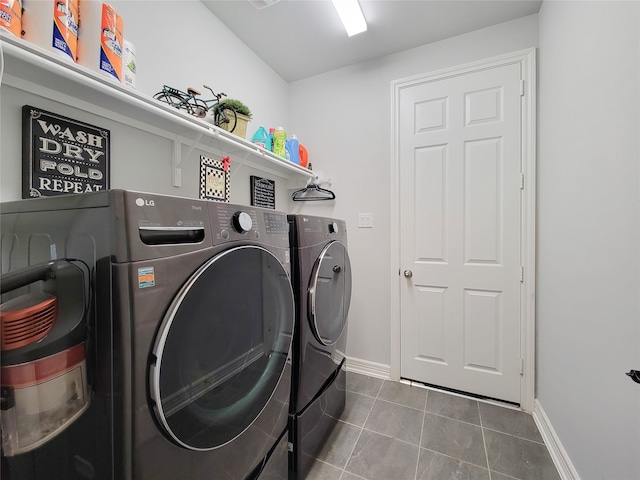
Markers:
{"x": 26, "y": 319}
{"x": 39, "y": 371}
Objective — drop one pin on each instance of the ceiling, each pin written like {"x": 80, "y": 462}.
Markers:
{"x": 302, "y": 38}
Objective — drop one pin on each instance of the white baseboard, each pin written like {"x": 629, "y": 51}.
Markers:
{"x": 558, "y": 454}
{"x": 365, "y": 367}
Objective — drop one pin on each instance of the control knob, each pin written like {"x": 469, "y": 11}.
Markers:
{"x": 333, "y": 227}
{"x": 242, "y": 222}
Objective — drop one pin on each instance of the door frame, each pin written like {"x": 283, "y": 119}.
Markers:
{"x": 527, "y": 61}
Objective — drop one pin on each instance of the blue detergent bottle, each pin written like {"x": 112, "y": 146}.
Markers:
{"x": 261, "y": 138}
{"x": 293, "y": 150}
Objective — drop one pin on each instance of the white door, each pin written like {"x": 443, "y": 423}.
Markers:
{"x": 460, "y": 222}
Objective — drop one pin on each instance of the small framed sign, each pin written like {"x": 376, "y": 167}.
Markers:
{"x": 61, "y": 155}
{"x": 263, "y": 192}
{"x": 214, "y": 178}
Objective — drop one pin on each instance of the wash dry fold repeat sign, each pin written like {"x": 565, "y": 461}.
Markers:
{"x": 62, "y": 156}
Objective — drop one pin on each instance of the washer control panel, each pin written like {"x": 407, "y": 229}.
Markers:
{"x": 276, "y": 223}
{"x": 236, "y": 222}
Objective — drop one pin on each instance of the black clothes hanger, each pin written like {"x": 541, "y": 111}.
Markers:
{"x": 311, "y": 193}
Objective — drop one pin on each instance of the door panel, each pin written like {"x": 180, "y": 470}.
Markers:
{"x": 431, "y": 234}
{"x": 460, "y": 164}
{"x": 430, "y": 328}
{"x": 482, "y": 164}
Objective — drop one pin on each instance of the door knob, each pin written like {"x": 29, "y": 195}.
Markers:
{"x": 408, "y": 273}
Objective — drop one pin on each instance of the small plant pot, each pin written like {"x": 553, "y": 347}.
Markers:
{"x": 241, "y": 126}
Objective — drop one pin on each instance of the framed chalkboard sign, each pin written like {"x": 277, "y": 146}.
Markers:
{"x": 61, "y": 155}
{"x": 263, "y": 192}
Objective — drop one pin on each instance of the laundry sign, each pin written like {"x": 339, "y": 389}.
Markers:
{"x": 263, "y": 192}
{"x": 61, "y": 155}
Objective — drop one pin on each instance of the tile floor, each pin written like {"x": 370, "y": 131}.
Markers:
{"x": 392, "y": 431}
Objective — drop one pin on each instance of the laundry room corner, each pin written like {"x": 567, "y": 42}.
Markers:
{"x": 360, "y": 162}
{"x": 240, "y": 240}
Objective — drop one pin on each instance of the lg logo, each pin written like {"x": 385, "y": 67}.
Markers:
{"x": 145, "y": 203}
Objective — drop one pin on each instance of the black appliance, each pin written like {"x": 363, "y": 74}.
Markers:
{"x": 322, "y": 287}
{"x": 188, "y": 335}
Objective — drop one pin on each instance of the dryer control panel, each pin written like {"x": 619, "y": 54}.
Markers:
{"x": 314, "y": 230}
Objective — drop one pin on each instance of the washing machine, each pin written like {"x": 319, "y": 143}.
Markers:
{"x": 187, "y": 336}
{"x": 322, "y": 288}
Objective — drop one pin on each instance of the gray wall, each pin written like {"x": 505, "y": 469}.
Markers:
{"x": 588, "y": 315}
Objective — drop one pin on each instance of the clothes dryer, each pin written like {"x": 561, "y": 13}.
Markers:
{"x": 322, "y": 287}
{"x": 192, "y": 316}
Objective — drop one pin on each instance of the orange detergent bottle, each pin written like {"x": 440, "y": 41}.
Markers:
{"x": 304, "y": 155}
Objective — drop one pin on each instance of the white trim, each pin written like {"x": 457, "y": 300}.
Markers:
{"x": 528, "y": 245}
{"x": 365, "y": 367}
{"x": 394, "y": 221}
{"x": 527, "y": 60}
{"x": 558, "y": 454}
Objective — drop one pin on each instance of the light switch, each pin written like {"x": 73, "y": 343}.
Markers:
{"x": 365, "y": 220}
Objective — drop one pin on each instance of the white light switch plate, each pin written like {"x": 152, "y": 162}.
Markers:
{"x": 365, "y": 220}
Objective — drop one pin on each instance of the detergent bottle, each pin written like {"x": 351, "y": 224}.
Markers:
{"x": 270, "y": 147}
{"x": 293, "y": 150}
{"x": 304, "y": 156}
{"x": 279, "y": 141}
{"x": 261, "y": 137}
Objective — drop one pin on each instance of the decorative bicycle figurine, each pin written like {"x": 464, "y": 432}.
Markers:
{"x": 191, "y": 102}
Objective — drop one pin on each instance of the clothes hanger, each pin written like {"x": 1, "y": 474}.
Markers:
{"x": 317, "y": 194}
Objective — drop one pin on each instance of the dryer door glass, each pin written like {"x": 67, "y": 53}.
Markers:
{"x": 330, "y": 293}
{"x": 222, "y": 348}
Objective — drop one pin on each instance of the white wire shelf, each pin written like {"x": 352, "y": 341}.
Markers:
{"x": 28, "y": 67}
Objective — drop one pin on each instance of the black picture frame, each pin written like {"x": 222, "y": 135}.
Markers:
{"x": 62, "y": 156}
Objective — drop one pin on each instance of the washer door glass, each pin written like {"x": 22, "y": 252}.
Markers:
{"x": 221, "y": 348}
{"x": 330, "y": 293}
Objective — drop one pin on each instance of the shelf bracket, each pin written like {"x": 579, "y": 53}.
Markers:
{"x": 319, "y": 179}
{"x": 178, "y": 159}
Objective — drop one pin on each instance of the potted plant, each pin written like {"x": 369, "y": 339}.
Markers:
{"x": 243, "y": 113}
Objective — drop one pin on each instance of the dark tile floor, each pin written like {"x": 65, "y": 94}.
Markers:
{"x": 392, "y": 431}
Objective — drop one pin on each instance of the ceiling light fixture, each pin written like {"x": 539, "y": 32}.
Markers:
{"x": 351, "y": 16}
{"x": 260, "y": 4}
